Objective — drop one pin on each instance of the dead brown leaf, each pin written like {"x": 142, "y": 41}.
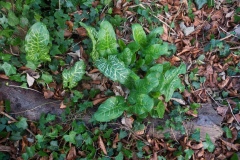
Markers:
{"x": 71, "y": 154}
{"x": 62, "y": 105}
{"x": 231, "y": 145}
{"x": 3, "y": 76}
{"x": 48, "y": 94}
{"x": 101, "y": 145}
{"x": 127, "y": 121}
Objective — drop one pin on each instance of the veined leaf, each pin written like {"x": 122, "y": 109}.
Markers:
{"x": 139, "y": 35}
{"x": 155, "y": 51}
{"x": 170, "y": 81}
{"x": 112, "y": 108}
{"x": 160, "y": 109}
{"x": 72, "y": 76}
{"x": 113, "y": 69}
{"x": 155, "y": 32}
{"x": 92, "y": 33}
{"x": 144, "y": 104}
{"x": 107, "y": 42}
{"x": 147, "y": 84}
{"x": 127, "y": 56}
{"x": 37, "y": 41}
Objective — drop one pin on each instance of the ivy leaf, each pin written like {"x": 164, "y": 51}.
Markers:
{"x": 200, "y": 3}
{"x": 112, "y": 108}
{"x": 144, "y": 104}
{"x": 189, "y": 153}
{"x": 37, "y": 41}
{"x": 8, "y": 69}
{"x": 113, "y": 69}
{"x": 208, "y": 144}
{"x": 72, "y": 76}
{"x": 170, "y": 81}
{"x": 71, "y": 137}
{"x": 47, "y": 78}
{"x": 92, "y": 33}
{"x": 22, "y": 123}
{"x": 107, "y": 42}
{"x": 12, "y": 19}
{"x": 139, "y": 35}
{"x": 196, "y": 135}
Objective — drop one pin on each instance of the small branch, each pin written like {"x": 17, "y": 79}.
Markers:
{"x": 174, "y": 135}
{"x": 14, "y": 120}
{"x": 36, "y": 107}
{"x": 232, "y": 113}
{"x": 164, "y": 23}
{"x": 23, "y": 88}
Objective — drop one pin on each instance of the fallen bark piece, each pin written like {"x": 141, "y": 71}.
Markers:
{"x": 27, "y": 103}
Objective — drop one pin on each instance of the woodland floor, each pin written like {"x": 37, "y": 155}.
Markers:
{"x": 207, "y": 40}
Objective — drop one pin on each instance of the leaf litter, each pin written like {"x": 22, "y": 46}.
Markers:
{"x": 208, "y": 23}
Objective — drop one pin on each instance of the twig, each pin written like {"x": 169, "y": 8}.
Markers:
{"x": 235, "y": 76}
{"x": 212, "y": 97}
{"x": 23, "y": 88}
{"x": 35, "y": 107}
{"x": 174, "y": 136}
{"x": 234, "y": 48}
{"x": 13, "y": 119}
{"x": 232, "y": 113}
{"x": 230, "y": 35}
{"x": 164, "y": 23}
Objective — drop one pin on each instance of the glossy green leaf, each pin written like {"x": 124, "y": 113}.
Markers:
{"x": 170, "y": 81}
{"x": 155, "y": 51}
{"x": 22, "y": 123}
{"x": 188, "y": 154}
{"x": 37, "y": 43}
{"x": 72, "y": 76}
{"x": 47, "y": 78}
{"x": 196, "y": 135}
{"x": 155, "y": 32}
{"x": 71, "y": 137}
{"x": 144, "y": 104}
{"x": 208, "y": 144}
{"x": 107, "y": 42}
{"x": 147, "y": 84}
{"x": 127, "y": 56}
{"x": 92, "y": 33}
{"x": 12, "y": 19}
{"x": 139, "y": 35}
{"x": 112, "y": 108}
{"x": 8, "y": 69}
{"x": 113, "y": 69}
{"x": 160, "y": 109}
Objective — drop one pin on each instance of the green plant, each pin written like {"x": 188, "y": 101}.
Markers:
{"x": 37, "y": 43}
{"x": 218, "y": 46}
{"x": 124, "y": 66}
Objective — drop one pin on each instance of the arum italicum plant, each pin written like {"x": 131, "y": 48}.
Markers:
{"x": 123, "y": 63}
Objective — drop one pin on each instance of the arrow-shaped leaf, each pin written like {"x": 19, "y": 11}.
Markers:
{"x": 37, "y": 41}
{"x": 170, "y": 81}
{"x": 72, "y": 76}
{"x": 113, "y": 69}
{"x": 107, "y": 42}
{"x": 112, "y": 108}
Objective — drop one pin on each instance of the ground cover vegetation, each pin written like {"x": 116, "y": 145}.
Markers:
{"x": 124, "y": 61}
